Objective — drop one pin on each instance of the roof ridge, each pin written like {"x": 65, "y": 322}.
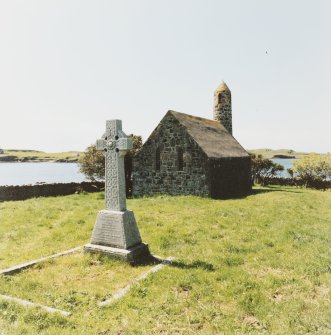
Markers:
{"x": 210, "y": 135}
{"x": 194, "y": 116}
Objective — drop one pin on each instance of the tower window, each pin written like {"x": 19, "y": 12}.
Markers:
{"x": 180, "y": 160}
{"x": 157, "y": 160}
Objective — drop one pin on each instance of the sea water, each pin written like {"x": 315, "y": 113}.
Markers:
{"x": 31, "y": 173}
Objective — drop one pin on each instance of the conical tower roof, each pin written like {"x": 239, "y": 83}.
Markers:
{"x": 222, "y": 87}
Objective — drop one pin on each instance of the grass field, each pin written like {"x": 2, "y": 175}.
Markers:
{"x": 256, "y": 265}
{"x": 38, "y": 156}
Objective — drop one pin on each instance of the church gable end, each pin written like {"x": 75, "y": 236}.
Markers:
{"x": 170, "y": 162}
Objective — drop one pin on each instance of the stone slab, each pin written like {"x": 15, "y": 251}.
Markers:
{"x": 18, "y": 268}
{"x": 32, "y": 304}
{"x": 116, "y": 229}
{"x": 124, "y": 290}
{"x": 131, "y": 255}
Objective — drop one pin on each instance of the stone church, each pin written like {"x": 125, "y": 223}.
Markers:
{"x": 186, "y": 154}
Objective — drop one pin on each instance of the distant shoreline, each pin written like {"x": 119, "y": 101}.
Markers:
{"x": 31, "y": 156}
{"x": 34, "y": 156}
{"x": 280, "y": 153}
{"x": 37, "y": 161}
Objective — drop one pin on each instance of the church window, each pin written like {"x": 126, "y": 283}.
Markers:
{"x": 157, "y": 160}
{"x": 180, "y": 160}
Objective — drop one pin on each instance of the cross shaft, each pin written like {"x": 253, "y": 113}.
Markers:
{"x": 115, "y": 144}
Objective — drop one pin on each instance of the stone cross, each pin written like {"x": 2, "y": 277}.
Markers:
{"x": 115, "y": 144}
{"x": 115, "y": 232}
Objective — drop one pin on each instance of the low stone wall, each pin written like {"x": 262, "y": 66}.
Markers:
{"x": 47, "y": 190}
{"x": 321, "y": 185}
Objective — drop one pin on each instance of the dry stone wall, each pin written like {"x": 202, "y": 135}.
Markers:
{"x": 318, "y": 184}
{"x": 46, "y": 190}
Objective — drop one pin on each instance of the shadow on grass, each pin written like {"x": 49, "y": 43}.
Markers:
{"x": 147, "y": 260}
{"x": 265, "y": 189}
{"x": 151, "y": 260}
{"x": 270, "y": 189}
{"x": 144, "y": 260}
{"x": 194, "y": 265}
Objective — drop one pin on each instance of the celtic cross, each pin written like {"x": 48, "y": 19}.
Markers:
{"x": 115, "y": 144}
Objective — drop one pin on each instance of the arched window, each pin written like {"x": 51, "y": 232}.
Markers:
{"x": 180, "y": 160}
{"x": 220, "y": 98}
{"x": 157, "y": 159}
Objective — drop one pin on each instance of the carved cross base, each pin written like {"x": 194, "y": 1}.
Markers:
{"x": 136, "y": 254}
{"x": 116, "y": 234}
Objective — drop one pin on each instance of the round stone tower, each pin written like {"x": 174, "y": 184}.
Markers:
{"x": 222, "y": 106}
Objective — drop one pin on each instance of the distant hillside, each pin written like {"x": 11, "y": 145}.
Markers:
{"x": 14, "y": 155}
{"x": 11, "y": 155}
{"x": 278, "y": 153}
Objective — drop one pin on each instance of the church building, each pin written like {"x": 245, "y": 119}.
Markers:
{"x": 187, "y": 154}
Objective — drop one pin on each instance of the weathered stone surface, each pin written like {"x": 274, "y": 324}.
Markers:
{"x": 18, "y": 268}
{"x": 223, "y": 107}
{"x": 167, "y": 138}
{"x": 135, "y": 254}
{"x": 32, "y": 304}
{"x": 116, "y": 229}
{"x": 115, "y": 144}
{"x": 127, "y": 288}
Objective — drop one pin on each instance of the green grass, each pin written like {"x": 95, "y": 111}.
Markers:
{"x": 73, "y": 283}
{"x": 257, "y": 265}
{"x": 33, "y": 155}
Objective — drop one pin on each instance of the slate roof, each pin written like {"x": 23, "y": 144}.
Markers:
{"x": 211, "y": 136}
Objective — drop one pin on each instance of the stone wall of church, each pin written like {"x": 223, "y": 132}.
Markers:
{"x": 229, "y": 177}
{"x": 170, "y": 163}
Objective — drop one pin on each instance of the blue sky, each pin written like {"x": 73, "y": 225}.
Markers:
{"x": 66, "y": 66}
